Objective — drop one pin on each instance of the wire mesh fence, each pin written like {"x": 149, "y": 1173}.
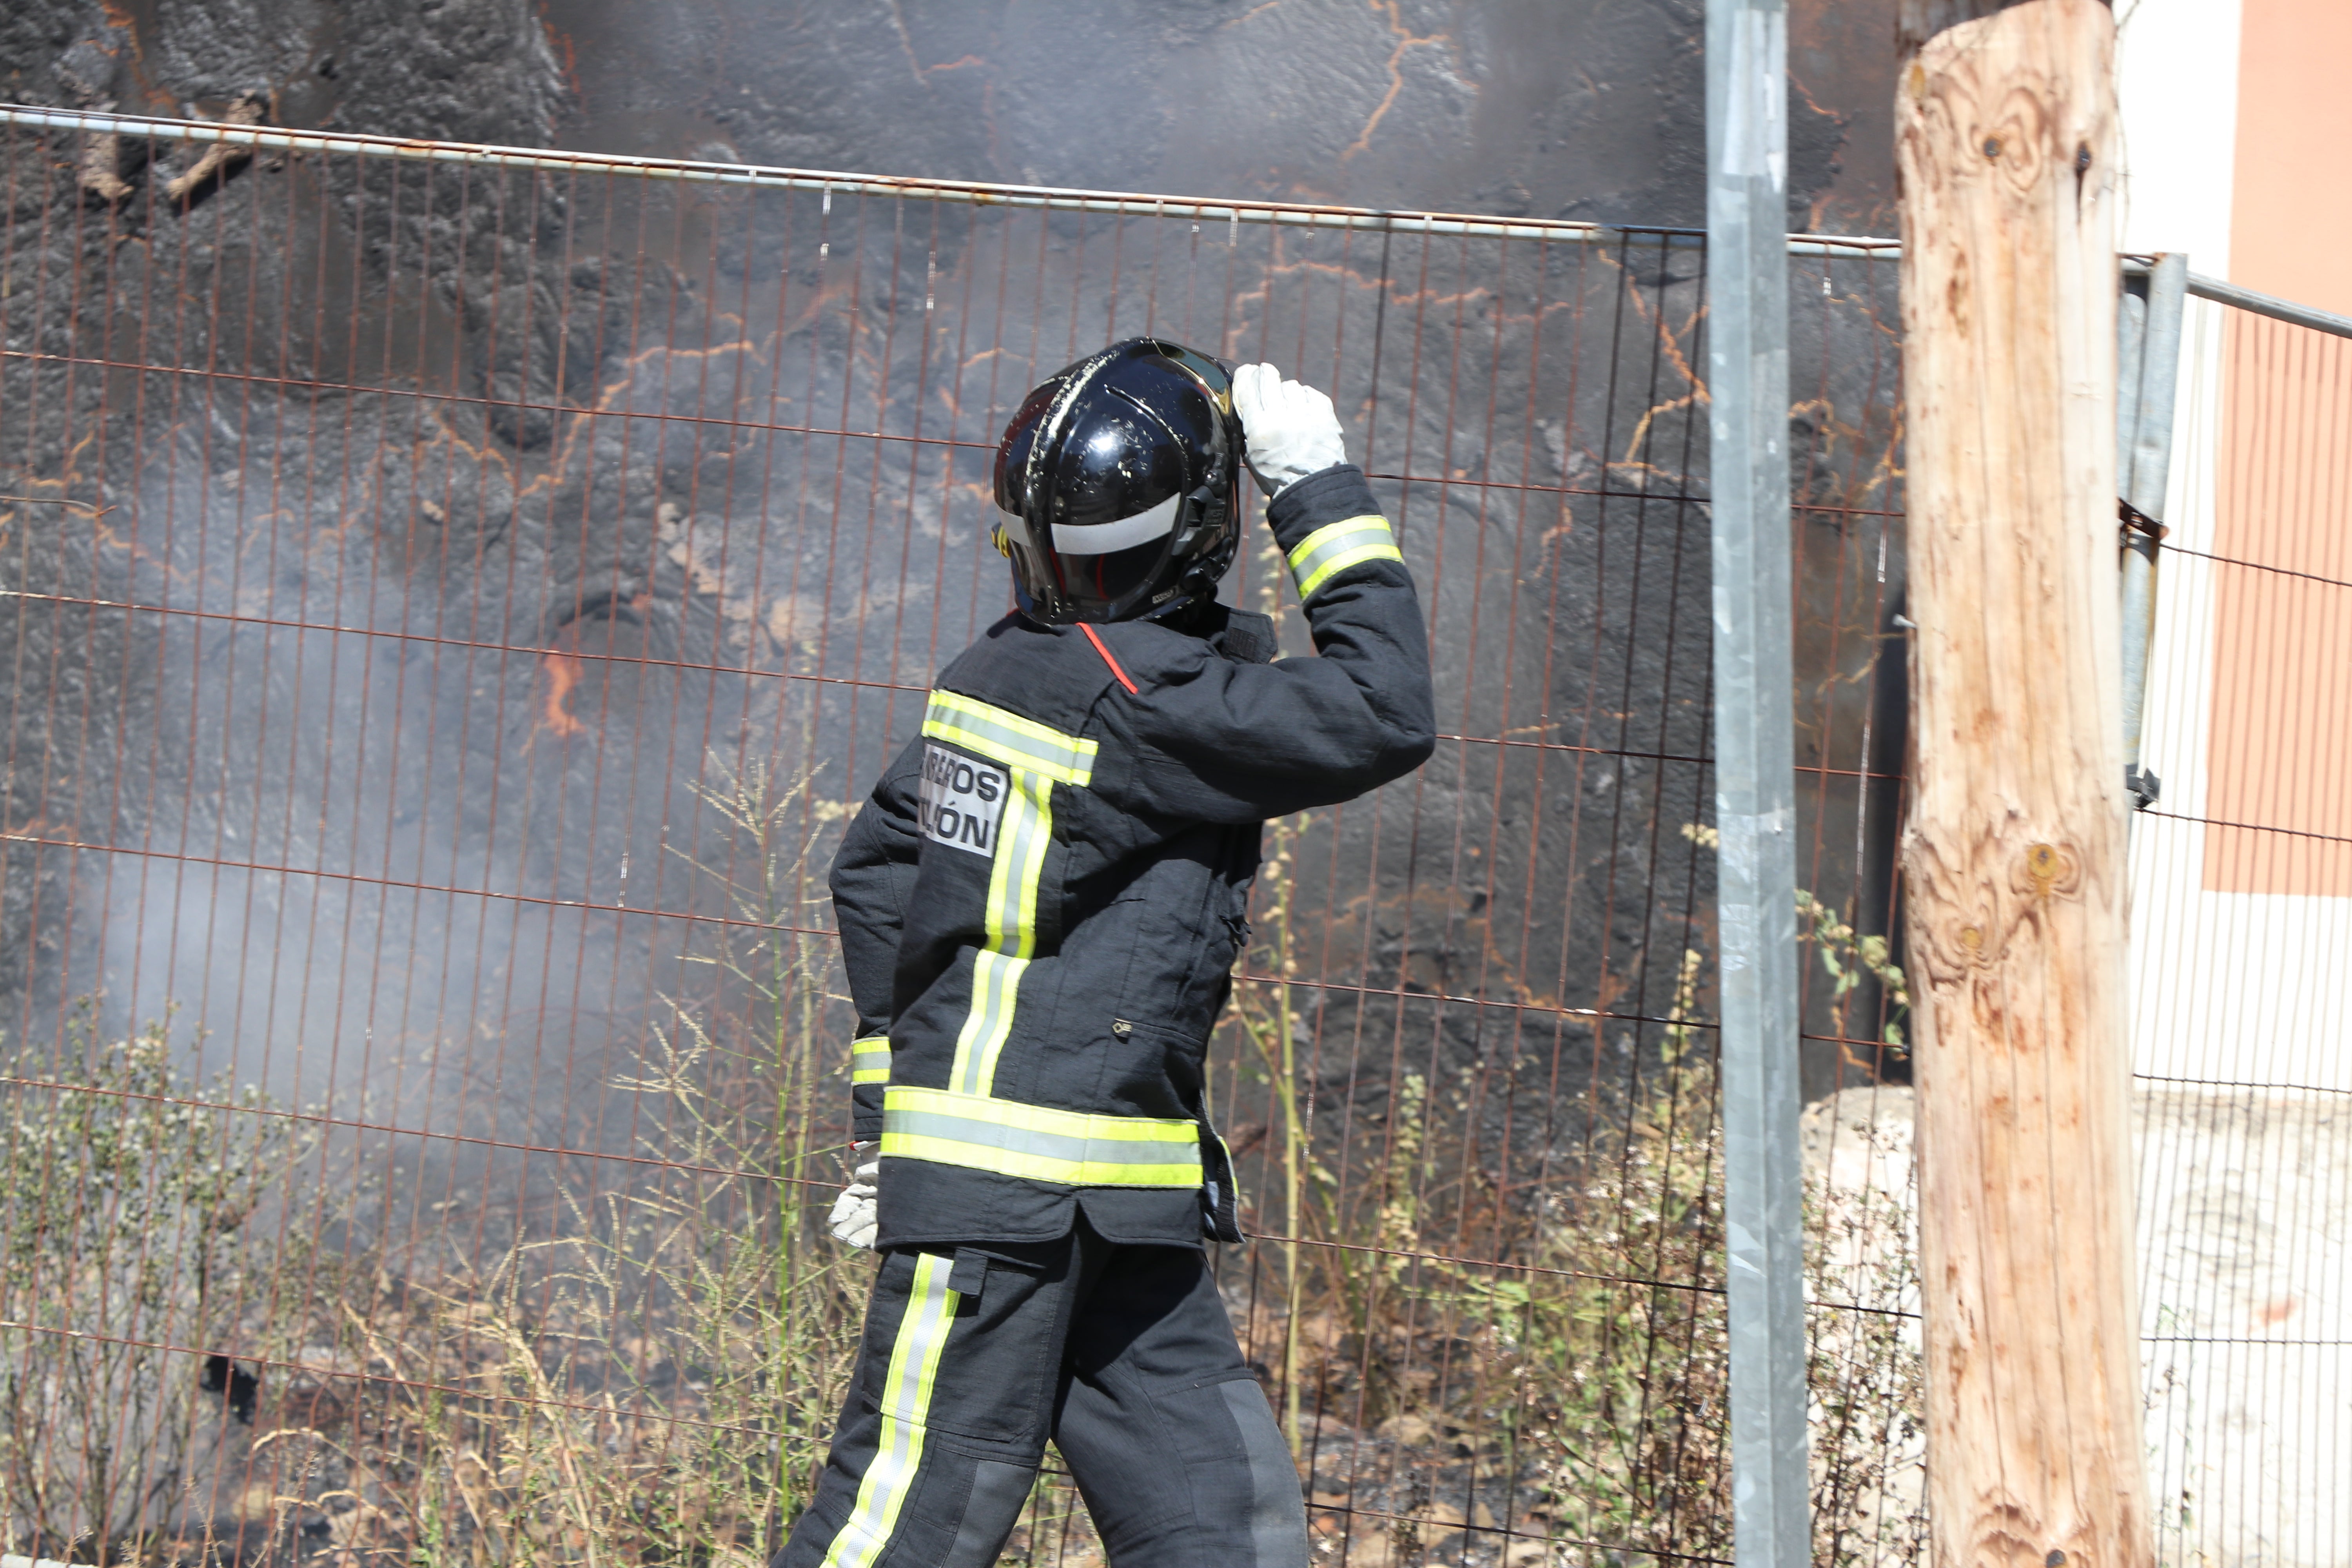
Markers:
{"x": 2239, "y": 876}
{"x": 453, "y": 605}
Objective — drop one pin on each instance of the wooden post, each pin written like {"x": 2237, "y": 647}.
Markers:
{"x": 2014, "y": 856}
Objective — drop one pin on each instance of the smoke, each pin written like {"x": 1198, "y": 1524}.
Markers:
{"x": 483, "y": 515}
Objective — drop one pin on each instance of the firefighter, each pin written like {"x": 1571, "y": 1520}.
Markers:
{"x": 1039, "y": 907}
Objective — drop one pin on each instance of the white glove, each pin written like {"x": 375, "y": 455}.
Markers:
{"x": 1289, "y": 429}
{"x": 852, "y": 1220}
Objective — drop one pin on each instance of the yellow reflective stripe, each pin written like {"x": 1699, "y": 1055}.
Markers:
{"x": 995, "y": 988}
{"x": 1044, "y": 1119}
{"x": 1011, "y": 920}
{"x": 1038, "y": 1143}
{"x": 1036, "y": 757}
{"x": 906, "y": 1408}
{"x": 869, "y": 1059}
{"x": 1003, "y": 736}
{"x": 1039, "y": 1167}
{"x": 1337, "y": 546}
{"x": 1021, "y": 842}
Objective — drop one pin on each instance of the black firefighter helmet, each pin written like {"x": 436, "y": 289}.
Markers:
{"x": 1115, "y": 485}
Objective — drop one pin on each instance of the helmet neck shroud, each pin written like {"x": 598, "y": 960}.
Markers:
{"x": 1116, "y": 484}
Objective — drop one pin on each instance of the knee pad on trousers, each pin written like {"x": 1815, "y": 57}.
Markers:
{"x": 990, "y": 1510}
{"x": 1277, "y": 1514}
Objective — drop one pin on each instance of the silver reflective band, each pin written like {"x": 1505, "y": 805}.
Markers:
{"x": 906, "y": 1408}
{"x": 1332, "y": 549}
{"x": 1038, "y": 1143}
{"x": 1102, "y": 538}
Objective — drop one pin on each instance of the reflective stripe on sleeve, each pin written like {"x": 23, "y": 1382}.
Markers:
{"x": 906, "y": 1410}
{"x": 1003, "y": 736}
{"x": 1071, "y": 1148}
{"x": 1337, "y": 546}
{"x": 869, "y": 1059}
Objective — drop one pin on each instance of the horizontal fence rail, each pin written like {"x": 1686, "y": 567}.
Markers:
{"x": 455, "y": 596}
{"x": 1042, "y": 198}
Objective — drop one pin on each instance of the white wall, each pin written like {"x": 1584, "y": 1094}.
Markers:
{"x": 2176, "y": 64}
{"x": 2232, "y": 987}
{"x": 2244, "y": 1229}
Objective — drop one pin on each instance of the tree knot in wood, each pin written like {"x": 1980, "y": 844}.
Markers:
{"x": 1983, "y": 898}
{"x": 2007, "y": 1532}
{"x": 2045, "y": 870}
{"x": 1969, "y": 936}
{"x": 2019, "y": 144}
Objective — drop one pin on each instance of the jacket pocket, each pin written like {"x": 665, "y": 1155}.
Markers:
{"x": 1150, "y": 1069}
{"x": 1161, "y": 1072}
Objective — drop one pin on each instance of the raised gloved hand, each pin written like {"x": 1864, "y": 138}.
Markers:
{"x": 852, "y": 1220}
{"x": 1289, "y": 429}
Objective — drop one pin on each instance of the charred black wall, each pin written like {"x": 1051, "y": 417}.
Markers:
{"x": 1589, "y": 110}
{"x": 516, "y": 524}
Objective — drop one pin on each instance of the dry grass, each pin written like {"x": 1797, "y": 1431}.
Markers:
{"x": 649, "y": 1375}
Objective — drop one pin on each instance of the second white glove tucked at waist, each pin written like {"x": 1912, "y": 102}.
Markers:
{"x": 1289, "y": 429}
{"x": 852, "y": 1219}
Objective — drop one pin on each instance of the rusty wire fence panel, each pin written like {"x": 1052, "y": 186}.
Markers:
{"x": 452, "y": 610}
{"x": 2240, "y": 875}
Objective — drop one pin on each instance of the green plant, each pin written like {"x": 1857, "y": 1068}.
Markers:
{"x": 125, "y": 1191}
{"x": 1847, "y": 958}
{"x": 647, "y": 1377}
{"x": 1624, "y": 1381}
{"x": 653, "y": 1381}
{"x": 1587, "y": 1402}
{"x": 1266, "y": 1015}
{"x": 633, "y": 1388}
{"x": 1579, "y": 1395}
{"x": 781, "y": 1017}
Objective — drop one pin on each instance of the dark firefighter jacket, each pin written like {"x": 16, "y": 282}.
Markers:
{"x": 1041, "y": 902}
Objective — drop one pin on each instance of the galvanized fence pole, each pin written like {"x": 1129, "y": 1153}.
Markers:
{"x": 1754, "y": 802}
{"x": 2148, "y": 373}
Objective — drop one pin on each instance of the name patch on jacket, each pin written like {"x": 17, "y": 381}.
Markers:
{"x": 962, "y": 801}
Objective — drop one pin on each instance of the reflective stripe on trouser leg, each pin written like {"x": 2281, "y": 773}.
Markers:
{"x": 930, "y": 1468}
{"x": 906, "y": 1403}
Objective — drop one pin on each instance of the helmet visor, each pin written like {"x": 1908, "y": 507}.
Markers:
{"x": 1110, "y": 582}
{"x": 1102, "y": 569}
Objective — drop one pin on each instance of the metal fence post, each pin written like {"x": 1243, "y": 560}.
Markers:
{"x": 2147, "y": 373}
{"x": 1755, "y": 803}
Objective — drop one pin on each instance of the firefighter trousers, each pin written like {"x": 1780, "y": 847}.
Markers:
{"x": 1123, "y": 1355}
